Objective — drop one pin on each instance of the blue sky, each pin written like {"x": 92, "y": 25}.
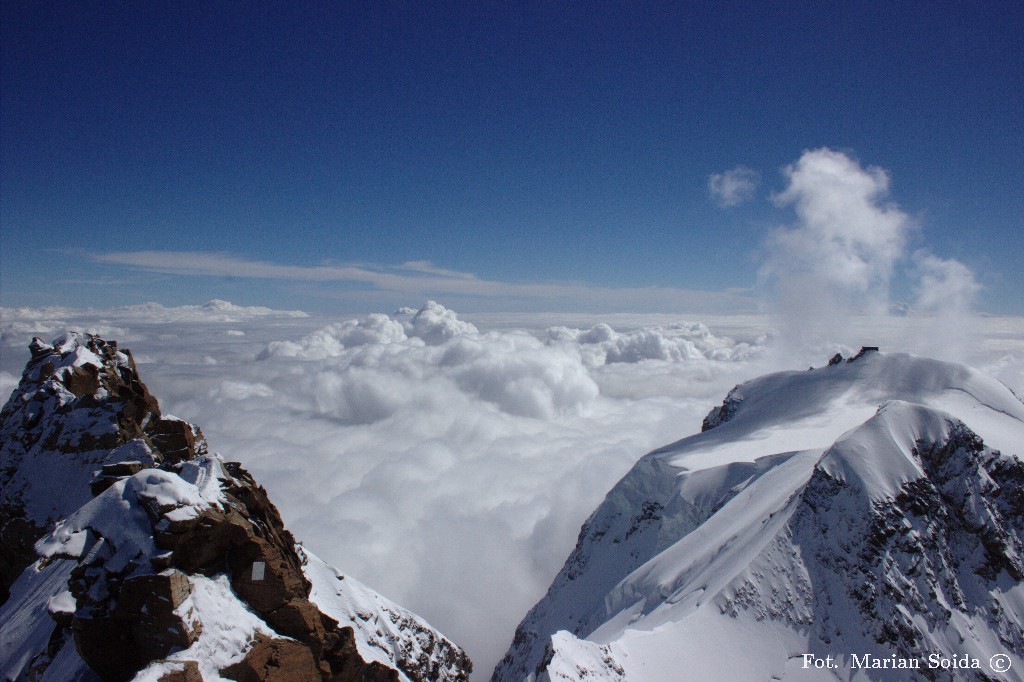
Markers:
{"x": 514, "y": 156}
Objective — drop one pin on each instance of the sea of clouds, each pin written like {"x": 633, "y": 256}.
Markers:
{"x": 446, "y": 464}
{"x": 449, "y": 460}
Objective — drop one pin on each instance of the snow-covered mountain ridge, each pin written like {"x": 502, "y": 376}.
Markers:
{"x": 179, "y": 566}
{"x": 79, "y": 405}
{"x": 865, "y": 511}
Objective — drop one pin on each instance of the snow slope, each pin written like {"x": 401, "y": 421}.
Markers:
{"x": 384, "y": 631}
{"x": 867, "y": 508}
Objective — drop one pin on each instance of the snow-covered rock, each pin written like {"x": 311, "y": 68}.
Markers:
{"x": 79, "y": 406}
{"x": 179, "y": 567}
{"x": 864, "y": 514}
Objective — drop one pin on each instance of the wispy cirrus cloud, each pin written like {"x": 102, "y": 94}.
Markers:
{"x": 225, "y": 265}
{"x": 421, "y": 279}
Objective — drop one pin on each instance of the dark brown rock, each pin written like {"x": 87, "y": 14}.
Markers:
{"x": 120, "y": 469}
{"x": 247, "y": 540}
{"x": 201, "y": 544}
{"x": 267, "y": 576}
{"x": 84, "y": 380}
{"x": 275, "y": 660}
{"x": 111, "y": 474}
{"x": 134, "y": 625}
{"x": 175, "y": 440}
{"x": 301, "y": 620}
{"x": 38, "y": 348}
{"x": 182, "y": 671}
{"x": 17, "y": 537}
{"x": 346, "y": 665}
{"x": 107, "y": 647}
{"x": 164, "y": 591}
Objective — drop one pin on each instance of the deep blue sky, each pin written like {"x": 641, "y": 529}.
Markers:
{"x": 523, "y": 143}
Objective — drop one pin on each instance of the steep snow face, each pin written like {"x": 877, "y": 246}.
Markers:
{"x": 384, "y": 632}
{"x": 837, "y": 512}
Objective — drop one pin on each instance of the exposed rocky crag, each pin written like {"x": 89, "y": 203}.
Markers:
{"x": 80, "y": 405}
{"x": 179, "y": 567}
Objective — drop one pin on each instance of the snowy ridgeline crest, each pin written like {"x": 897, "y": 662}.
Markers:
{"x": 79, "y": 406}
{"x": 179, "y": 566}
{"x": 861, "y": 513}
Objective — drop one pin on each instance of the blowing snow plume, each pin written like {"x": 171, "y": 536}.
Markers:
{"x": 946, "y": 289}
{"x": 838, "y": 260}
{"x": 839, "y": 257}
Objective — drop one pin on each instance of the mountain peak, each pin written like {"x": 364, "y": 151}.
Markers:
{"x": 159, "y": 560}
{"x": 867, "y": 508}
{"x": 80, "y": 405}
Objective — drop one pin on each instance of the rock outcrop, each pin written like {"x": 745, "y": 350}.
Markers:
{"x": 80, "y": 405}
{"x": 139, "y": 541}
{"x": 724, "y": 412}
{"x": 179, "y": 567}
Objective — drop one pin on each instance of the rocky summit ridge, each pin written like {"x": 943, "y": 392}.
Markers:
{"x": 79, "y": 406}
{"x": 132, "y": 552}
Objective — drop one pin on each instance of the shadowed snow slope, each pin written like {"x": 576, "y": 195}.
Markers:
{"x": 871, "y": 511}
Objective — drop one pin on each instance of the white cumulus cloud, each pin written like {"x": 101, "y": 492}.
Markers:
{"x": 945, "y": 291}
{"x": 847, "y": 239}
{"x": 430, "y": 458}
{"x": 838, "y": 260}
{"x": 945, "y": 286}
{"x": 734, "y": 186}
{"x": 445, "y": 463}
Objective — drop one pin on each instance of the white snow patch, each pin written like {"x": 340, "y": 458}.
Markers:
{"x": 229, "y": 629}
